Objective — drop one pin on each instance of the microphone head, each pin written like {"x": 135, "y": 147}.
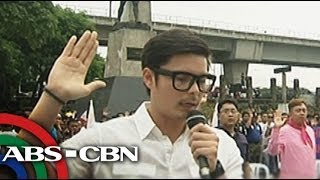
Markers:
{"x": 194, "y": 117}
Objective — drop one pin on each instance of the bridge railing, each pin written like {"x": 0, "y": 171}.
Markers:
{"x": 95, "y": 11}
{"x": 204, "y": 23}
{"x": 232, "y": 26}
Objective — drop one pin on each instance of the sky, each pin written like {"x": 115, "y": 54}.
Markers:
{"x": 280, "y": 17}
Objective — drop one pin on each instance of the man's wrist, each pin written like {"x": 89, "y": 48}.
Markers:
{"x": 219, "y": 171}
{"x": 54, "y": 96}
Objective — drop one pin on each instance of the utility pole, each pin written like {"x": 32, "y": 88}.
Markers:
{"x": 110, "y": 8}
{"x": 283, "y": 70}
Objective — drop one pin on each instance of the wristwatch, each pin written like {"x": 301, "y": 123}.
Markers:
{"x": 218, "y": 172}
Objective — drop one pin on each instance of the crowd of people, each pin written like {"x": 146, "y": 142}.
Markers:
{"x": 67, "y": 125}
{"x": 255, "y": 136}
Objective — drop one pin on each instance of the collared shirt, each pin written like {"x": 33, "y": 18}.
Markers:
{"x": 298, "y": 160}
{"x": 158, "y": 157}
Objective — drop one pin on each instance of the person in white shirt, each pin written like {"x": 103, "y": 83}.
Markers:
{"x": 263, "y": 123}
{"x": 175, "y": 67}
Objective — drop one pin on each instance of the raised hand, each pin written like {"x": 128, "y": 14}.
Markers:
{"x": 278, "y": 121}
{"x": 66, "y": 79}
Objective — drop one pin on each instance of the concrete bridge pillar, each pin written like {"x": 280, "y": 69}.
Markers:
{"x": 233, "y": 71}
{"x": 237, "y": 62}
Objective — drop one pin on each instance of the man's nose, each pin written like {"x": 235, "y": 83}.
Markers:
{"x": 302, "y": 113}
{"x": 194, "y": 87}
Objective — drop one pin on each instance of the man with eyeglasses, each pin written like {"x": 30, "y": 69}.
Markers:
{"x": 228, "y": 118}
{"x": 175, "y": 67}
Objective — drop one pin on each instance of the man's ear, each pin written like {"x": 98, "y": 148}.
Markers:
{"x": 148, "y": 77}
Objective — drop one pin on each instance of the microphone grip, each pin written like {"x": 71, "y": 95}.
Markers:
{"x": 204, "y": 169}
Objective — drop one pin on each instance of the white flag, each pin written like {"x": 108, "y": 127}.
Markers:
{"x": 84, "y": 116}
{"x": 91, "y": 117}
{"x": 215, "y": 116}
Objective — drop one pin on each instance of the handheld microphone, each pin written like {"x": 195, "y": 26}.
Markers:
{"x": 193, "y": 118}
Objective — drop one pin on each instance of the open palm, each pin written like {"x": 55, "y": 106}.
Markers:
{"x": 67, "y": 76}
{"x": 278, "y": 121}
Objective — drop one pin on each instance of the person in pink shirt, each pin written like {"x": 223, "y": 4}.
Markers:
{"x": 294, "y": 141}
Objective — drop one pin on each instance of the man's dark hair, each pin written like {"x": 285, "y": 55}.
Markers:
{"x": 71, "y": 121}
{"x": 296, "y": 102}
{"x": 159, "y": 49}
{"x": 244, "y": 113}
{"x": 227, "y": 101}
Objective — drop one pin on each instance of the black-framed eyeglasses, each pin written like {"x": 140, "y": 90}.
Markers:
{"x": 183, "y": 81}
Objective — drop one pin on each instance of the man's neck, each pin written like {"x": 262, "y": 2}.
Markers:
{"x": 169, "y": 126}
{"x": 298, "y": 122}
{"x": 230, "y": 129}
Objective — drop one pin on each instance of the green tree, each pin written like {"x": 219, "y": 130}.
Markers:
{"x": 32, "y": 36}
{"x": 207, "y": 109}
{"x": 96, "y": 69}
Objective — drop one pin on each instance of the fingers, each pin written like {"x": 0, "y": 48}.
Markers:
{"x": 203, "y": 141}
{"x": 88, "y": 47}
{"x": 197, "y": 139}
{"x": 81, "y": 44}
{"x": 196, "y": 146}
{"x": 209, "y": 152}
{"x": 198, "y": 136}
{"x": 87, "y": 61}
{"x": 277, "y": 115}
{"x": 201, "y": 128}
{"x": 95, "y": 85}
{"x": 69, "y": 47}
{"x": 85, "y": 49}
